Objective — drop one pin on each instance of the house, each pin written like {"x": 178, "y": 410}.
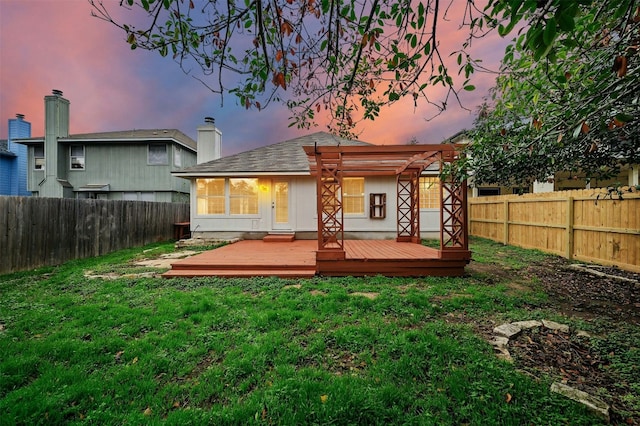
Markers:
{"x": 367, "y": 206}
{"x": 560, "y": 181}
{"x": 118, "y": 165}
{"x": 272, "y": 190}
{"x": 13, "y": 159}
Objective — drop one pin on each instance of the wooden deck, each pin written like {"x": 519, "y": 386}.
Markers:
{"x": 297, "y": 259}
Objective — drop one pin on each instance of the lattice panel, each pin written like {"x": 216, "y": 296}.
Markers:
{"x": 408, "y": 205}
{"x": 331, "y": 229}
{"x": 453, "y": 234}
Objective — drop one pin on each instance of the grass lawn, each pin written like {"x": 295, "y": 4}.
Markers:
{"x": 269, "y": 351}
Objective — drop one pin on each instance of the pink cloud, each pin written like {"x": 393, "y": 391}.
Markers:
{"x": 57, "y": 45}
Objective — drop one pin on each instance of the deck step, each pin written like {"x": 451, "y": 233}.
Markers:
{"x": 193, "y": 266}
{"x": 240, "y": 273}
{"x": 279, "y": 238}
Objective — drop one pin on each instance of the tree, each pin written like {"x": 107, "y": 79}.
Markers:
{"x": 567, "y": 99}
{"x": 345, "y": 58}
{"x": 555, "y": 100}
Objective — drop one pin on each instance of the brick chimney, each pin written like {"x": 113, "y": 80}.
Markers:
{"x": 209, "y": 141}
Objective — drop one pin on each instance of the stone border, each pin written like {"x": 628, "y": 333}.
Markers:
{"x": 502, "y": 334}
{"x": 592, "y": 269}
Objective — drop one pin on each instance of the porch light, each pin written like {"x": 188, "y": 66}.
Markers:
{"x": 264, "y": 188}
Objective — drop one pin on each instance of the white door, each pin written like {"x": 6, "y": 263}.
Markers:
{"x": 280, "y": 204}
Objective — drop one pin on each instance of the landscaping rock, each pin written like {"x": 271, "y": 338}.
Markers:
{"x": 592, "y": 403}
{"x": 556, "y": 326}
{"x": 500, "y": 342}
{"x": 524, "y": 325}
{"x": 504, "y": 355}
{"x": 507, "y": 330}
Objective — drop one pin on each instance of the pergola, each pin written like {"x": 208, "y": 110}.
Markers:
{"x": 330, "y": 164}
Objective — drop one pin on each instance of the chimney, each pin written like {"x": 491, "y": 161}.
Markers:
{"x": 56, "y": 125}
{"x": 209, "y": 141}
{"x": 56, "y": 115}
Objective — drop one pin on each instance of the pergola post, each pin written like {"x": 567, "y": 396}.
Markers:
{"x": 408, "y": 207}
{"x": 330, "y": 212}
{"x": 454, "y": 234}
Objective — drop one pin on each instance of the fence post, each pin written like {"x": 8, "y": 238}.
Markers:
{"x": 505, "y": 239}
{"x": 569, "y": 223}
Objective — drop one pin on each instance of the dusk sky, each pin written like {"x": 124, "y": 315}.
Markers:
{"x": 57, "y": 44}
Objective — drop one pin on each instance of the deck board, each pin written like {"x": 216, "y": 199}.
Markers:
{"x": 298, "y": 259}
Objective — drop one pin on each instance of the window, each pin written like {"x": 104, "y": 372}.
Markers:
{"x": 77, "y": 157}
{"x": 243, "y": 196}
{"x": 429, "y": 192}
{"x": 210, "y": 196}
{"x": 177, "y": 157}
{"x": 157, "y": 155}
{"x": 353, "y": 195}
{"x": 38, "y": 157}
{"x": 488, "y": 191}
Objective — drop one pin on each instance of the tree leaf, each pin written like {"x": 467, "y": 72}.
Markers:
{"x": 549, "y": 33}
{"x": 620, "y": 66}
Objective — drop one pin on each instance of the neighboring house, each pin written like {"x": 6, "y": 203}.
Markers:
{"x": 120, "y": 165}
{"x": 561, "y": 181}
{"x": 271, "y": 190}
{"x": 13, "y": 159}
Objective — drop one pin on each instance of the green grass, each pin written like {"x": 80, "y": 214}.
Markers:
{"x": 263, "y": 351}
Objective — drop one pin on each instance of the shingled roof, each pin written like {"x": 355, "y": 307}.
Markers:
{"x": 282, "y": 158}
{"x": 4, "y": 149}
{"x": 136, "y": 135}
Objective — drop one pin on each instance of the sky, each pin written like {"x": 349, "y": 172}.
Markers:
{"x": 57, "y": 44}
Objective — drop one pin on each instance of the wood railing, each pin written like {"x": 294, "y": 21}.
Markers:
{"x": 587, "y": 225}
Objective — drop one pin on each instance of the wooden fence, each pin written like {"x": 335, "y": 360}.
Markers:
{"x": 38, "y": 232}
{"x": 581, "y": 225}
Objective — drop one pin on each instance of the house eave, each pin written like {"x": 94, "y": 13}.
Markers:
{"x": 125, "y": 140}
{"x": 30, "y": 141}
{"x": 193, "y": 175}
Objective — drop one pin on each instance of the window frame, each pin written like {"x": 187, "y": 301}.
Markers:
{"x": 429, "y": 196}
{"x": 361, "y": 196}
{"x": 166, "y": 155}
{"x": 37, "y": 157}
{"x": 206, "y": 198}
{"x": 249, "y": 199}
{"x": 177, "y": 156}
{"x": 83, "y": 156}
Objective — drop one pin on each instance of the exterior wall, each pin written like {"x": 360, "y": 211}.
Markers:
{"x": 179, "y": 185}
{"x": 124, "y": 167}
{"x": 34, "y": 176}
{"x": 7, "y": 173}
{"x": 303, "y": 214}
{"x": 566, "y": 181}
{"x": 18, "y": 128}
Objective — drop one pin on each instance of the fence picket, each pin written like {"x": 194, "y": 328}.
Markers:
{"x": 580, "y": 225}
{"x": 37, "y": 232}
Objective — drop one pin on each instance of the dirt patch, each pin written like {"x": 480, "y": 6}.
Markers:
{"x": 296, "y": 286}
{"x": 370, "y": 296}
{"x": 569, "y": 357}
{"x": 576, "y": 292}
